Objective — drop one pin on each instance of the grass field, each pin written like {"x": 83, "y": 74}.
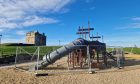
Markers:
{"x": 129, "y": 50}
{"x": 132, "y": 50}
{"x": 11, "y": 50}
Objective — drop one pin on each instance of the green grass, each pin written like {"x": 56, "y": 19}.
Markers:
{"x": 129, "y": 50}
{"x": 134, "y": 50}
{"x": 11, "y": 50}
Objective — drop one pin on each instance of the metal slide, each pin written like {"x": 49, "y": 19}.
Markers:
{"x": 59, "y": 53}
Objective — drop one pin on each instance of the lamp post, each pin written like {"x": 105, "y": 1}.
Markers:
{"x": 59, "y": 42}
{"x": 0, "y": 44}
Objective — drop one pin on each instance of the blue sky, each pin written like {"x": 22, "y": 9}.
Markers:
{"x": 117, "y": 20}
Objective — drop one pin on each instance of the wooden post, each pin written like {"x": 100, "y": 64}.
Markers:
{"x": 104, "y": 57}
{"x": 97, "y": 56}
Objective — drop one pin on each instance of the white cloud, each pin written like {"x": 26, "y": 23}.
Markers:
{"x": 1, "y": 30}
{"x": 5, "y": 23}
{"x": 21, "y": 32}
{"x": 92, "y": 8}
{"x": 130, "y": 26}
{"x": 136, "y": 18}
{"x": 34, "y": 20}
{"x": 133, "y": 25}
{"x": 13, "y": 40}
{"x": 21, "y": 13}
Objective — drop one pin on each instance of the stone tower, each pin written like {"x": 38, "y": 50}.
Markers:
{"x": 34, "y": 37}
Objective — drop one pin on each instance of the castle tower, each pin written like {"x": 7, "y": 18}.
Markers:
{"x": 34, "y": 37}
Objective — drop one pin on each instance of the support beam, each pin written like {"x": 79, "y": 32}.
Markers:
{"x": 97, "y": 56}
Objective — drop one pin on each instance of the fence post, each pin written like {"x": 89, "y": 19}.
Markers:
{"x": 16, "y": 56}
{"x": 89, "y": 60}
{"x": 38, "y": 57}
